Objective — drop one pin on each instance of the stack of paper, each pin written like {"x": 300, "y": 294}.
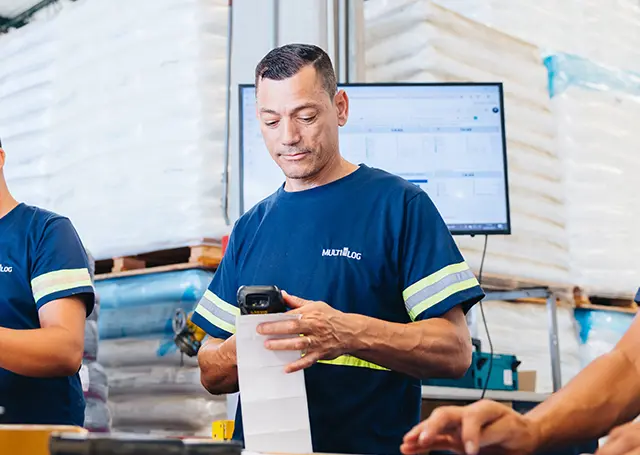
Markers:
{"x": 275, "y": 413}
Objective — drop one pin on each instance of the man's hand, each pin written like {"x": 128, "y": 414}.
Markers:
{"x": 324, "y": 332}
{"x": 485, "y": 426}
{"x": 622, "y": 440}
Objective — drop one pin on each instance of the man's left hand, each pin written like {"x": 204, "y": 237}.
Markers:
{"x": 622, "y": 440}
{"x": 323, "y": 329}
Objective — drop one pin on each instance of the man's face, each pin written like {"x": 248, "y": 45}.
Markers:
{"x": 299, "y": 122}
{"x": 2, "y": 157}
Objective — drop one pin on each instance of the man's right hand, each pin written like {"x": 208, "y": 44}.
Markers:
{"x": 482, "y": 427}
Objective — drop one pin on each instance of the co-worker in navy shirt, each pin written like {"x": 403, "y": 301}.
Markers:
{"x": 364, "y": 257}
{"x": 45, "y": 295}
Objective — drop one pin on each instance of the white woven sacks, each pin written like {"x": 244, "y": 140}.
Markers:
{"x": 420, "y": 41}
{"x": 115, "y": 118}
{"x": 597, "y": 110}
{"x": 607, "y": 31}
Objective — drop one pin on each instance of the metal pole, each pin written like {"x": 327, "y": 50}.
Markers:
{"x": 333, "y": 33}
{"x": 554, "y": 345}
{"x": 227, "y": 122}
{"x": 275, "y": 37}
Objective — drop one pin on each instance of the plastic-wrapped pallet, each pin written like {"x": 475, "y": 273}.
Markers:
{"x": 607, "y": 31}
{"x": 597, "y": 110}
{"x": 153, "y": 388}
{"x": 143, "y": 305}
{"x": 600, "y": 331}
{"x": 123, "y": 113}
{"x": 522, "y": 329}
{"x": 95, "y": 384}
{"x": 420, "y": 41}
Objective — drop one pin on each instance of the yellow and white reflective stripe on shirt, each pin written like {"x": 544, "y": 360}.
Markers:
{"x": 218, "y": 312}
{"x": 436, "y": 287}
{"x": 351, "y": 361}
{"x": 60, "y": 280}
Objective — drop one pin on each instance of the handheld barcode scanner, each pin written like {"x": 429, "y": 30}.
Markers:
{"x": 260, "y": 300}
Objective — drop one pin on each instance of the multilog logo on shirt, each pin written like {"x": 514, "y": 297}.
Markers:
{"x": 342, "y": 252}
{"x": 5, "y": 269}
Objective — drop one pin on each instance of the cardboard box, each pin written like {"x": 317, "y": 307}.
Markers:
{"x": 527, "y": 381}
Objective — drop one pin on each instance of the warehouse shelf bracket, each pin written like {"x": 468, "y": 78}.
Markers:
{"x": 554, "y": 345}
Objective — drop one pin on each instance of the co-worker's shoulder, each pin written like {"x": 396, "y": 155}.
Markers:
{"x": 43, "y": 225}
{"x": 40, "y": 219}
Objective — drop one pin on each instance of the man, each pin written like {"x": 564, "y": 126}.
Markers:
{"x": 602, "y": 397}
{"x": 45, "y": 295}
{"x": 364, "y": 258}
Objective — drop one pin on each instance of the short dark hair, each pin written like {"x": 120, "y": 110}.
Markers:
{"x": 286, "y": 61}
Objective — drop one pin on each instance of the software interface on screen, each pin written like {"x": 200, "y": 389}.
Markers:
{"x": 446, "y": 139}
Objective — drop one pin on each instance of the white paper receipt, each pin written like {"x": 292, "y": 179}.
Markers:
{"x": 275, "y": 413}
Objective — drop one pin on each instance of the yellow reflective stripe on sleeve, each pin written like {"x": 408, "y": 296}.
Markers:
{"x": 436, "y": 287}
{"x": 60, "y": 280}
{"x": 235, "y": 311}
{"x": 213, "y": 319}
{"x": 434, "y": 278}
{"x": 217, "y": 311}
{"x": 351, "y": 361}
{"x": 440, "y": 296}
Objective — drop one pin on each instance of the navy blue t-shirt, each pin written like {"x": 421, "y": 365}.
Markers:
{"x": 41, "y": 260}
{"x": 370, "y": 243}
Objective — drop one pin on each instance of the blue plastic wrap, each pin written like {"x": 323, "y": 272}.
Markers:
{"x": 566, "y": 70}
{"x": 145, "y": 304}
{"x": 600, "y": 330}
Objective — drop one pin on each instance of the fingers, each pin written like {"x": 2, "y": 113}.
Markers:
{"x": 622, "y": 440}
{"x": 472, "y": 426}
{"x": 289, "y": 344}
{"x": 440, "y": 421}
{"x": 476, "y": 417}
{"x": 292, "y": 301}
{"x": 304, "y": 362}
{"x": 442, "y": 442}
{"x": 289, "y": 327}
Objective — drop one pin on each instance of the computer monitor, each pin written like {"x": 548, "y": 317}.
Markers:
{"x": 446, "y": 138}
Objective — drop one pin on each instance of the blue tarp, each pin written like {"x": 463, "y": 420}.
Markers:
{"x": 566, "y": 70}
{"x": 143, "y": 305}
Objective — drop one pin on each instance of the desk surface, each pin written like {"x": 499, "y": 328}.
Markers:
{"x": 455, "y": 393}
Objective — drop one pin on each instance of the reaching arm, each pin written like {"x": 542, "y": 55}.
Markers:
{"x": 605, "y": 394}
{"x": 218, "y": 366}
{"x": 51, "y": 351}
{"x": 438, "y": 347}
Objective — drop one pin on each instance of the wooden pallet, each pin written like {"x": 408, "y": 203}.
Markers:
{"x": 609, "y": 302}
{"x": 206, "y": 255}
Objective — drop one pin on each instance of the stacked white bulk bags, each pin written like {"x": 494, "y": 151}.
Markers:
{"x": 26, "y": 97}
{"x": 607, "y": 31}
{"x": 417, "y": 40}
{"x": 597, "y": 110}
{"x": 116, "y": 118}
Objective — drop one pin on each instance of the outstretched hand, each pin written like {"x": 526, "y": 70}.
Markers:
{"x": 482, "y": 427}
{"x": 323, "y": 330}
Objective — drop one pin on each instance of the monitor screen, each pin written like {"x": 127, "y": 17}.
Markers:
{"x": 446, "y": 138}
